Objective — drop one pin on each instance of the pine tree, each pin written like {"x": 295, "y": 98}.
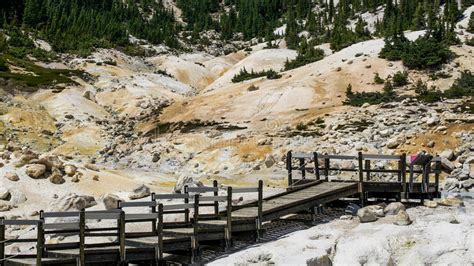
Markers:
{"x": 470, "y": 27}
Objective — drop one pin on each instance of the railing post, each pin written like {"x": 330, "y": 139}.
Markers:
{"x": 39, "y": 243}
{"x": 260, "y": 209}
{"x": 367, "y": 169}
{"x": 361, "y": 179}
{"x": 153, "y": 210}
{"x": 302, "y": 168}
{"x": 121, "y": 236}
{"x": 216, "y": 203}
{"x": 186, "y": 211}
{"x": 194, "y": 239}
{"x": 326, "y": 167}
{"x": 403, "y": 166}
{"x": 437, "y": 172}
{"x": 2, "y": 241}
{"x": 82, "y": 240}
{"x": 316, "y": 165}
{"x": 228, "y": 233}
{"x": 159, "y": 252}
{"x": 289, "y": 167}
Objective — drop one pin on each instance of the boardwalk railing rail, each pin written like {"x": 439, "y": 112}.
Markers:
{"x": 320, "y": 166}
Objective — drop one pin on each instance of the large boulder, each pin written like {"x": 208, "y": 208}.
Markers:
{"x": 430, "y": 203}
{"x": 12, "y": 176}
{"x": 378, "y": 210}
{"x": 451, "y": 184}
{"x": 447, "y": 154}
{"x": 182, "y": 182}
{"x": 402, "y": 218}
{"x": 56, "y": 176}
{"x": 51, "y": 161}
{"x": 394, "y": 208}
{"x": 269, "y": 161}
{"x": 447, "y": 165}
{"x": 111, "y": 201}
{"x": 4, "y": 206}
{"x": 4, "y": 193}
{"x": 140, "y": 192}
{"x": 73, "y": 202}
{"x": 366, "y": 215}
{"x": 70, "y": 170}
{"x": 36, "y": 170}
{"x": 394, "y": 143}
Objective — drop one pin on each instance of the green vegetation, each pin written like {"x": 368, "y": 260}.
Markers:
{"x": 378, "y": 79}
{"x": 425, "y": 94}
{"x": 245, "y": 75}
{"x": 463, "y": 86}
{"x": 306, "y": 55}
{"x": 81, "y": 25}
{"x": 470, "y": 26}
{"x": 400, "y": 79}
{"x": 426, "y": 52}
{"x": 470, "y": 41}
{"x": 33, "y": 75}
{"x": 359, "y": 98}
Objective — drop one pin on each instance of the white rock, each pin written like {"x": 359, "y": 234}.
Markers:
{"x": 12, "y": 176}
{"x": 394, "y": 208}
{"x": 447, "y": 154}
{"x": 4, "y": 193}
{"x": 111, "y": 201}
{"x": 70, "y": 170}
{"x": 402, "y": 218}
{"x": 35, "y": 170}
{"x": 140, "y": 192}
{"x": 366, "y": 215}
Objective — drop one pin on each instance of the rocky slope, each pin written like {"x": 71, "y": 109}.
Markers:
{"x": 169, "y": 118}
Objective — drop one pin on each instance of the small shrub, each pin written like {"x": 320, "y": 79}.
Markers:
{"x": 378, "y": 79}
{"x": 470, "y": 41}
{"x": 272, "y": 74}
{"x": 301, "y": 127}
{"x": 426, "y": 52}
{"x": 164, "y": 73}
{"x": 3, "y": 65}
{"x": 400, "y": 79}
{"x": 359, "y": 98}
{"x": 463, "y": 86}
{"x": 303, "y": 58}
{"x": 425, "y": 94}
{"x": 245, "y": 75}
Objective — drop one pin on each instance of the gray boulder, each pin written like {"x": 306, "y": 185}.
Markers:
{"x": 140, "y": 192}
{"x": 402, "y": 218}
{"x": 394, "y": 208}
{"x": 12, "y": 176}
{"x": 366, "y": 215}
{"x": 4, "y": 193}
{"x": 35, "y": 171}
{"x": 111, "y": 201}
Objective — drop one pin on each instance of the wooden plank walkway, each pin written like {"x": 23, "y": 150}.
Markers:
{"x": 295, "y": 201}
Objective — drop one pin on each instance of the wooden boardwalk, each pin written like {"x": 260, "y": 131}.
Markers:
{"x": 103, "y": 237}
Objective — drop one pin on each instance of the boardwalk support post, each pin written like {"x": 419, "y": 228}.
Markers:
{"x": 194, "y": 238}
{"x": 228, "y": 229}
{"x": 159, "y": 251}
{"x": 2, "y": 241}
{"x": 403, "y": 166}
{"x": 361, "y": 180}
{"x": 289, "y": 167}
{"x": 326, "y": 168}
{"x": 316, "y": 165}
{"x": 121, "y": 236}
{"x": 39, "y": 243}
{"x": 82, "y": 235}
{"x": 216, "y": 194}
{"x": 259, "y": 210}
